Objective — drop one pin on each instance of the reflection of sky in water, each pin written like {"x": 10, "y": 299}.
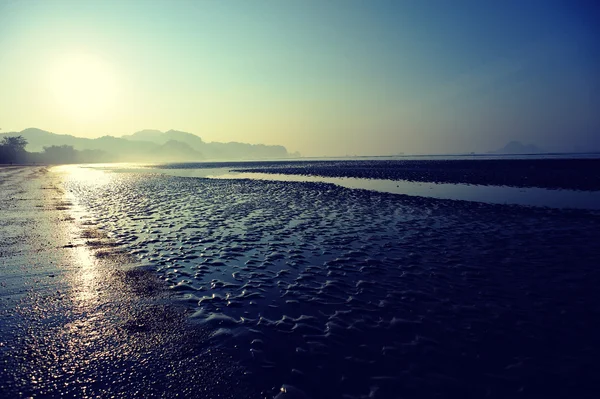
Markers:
{"x": 531, "y": 196}
{"x": 97, "y": 176}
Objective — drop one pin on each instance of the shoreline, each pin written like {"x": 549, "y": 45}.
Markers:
{"x": 578, "y": 174}
{"x": 78, "y": 318}
{"x": 246, "y": 286}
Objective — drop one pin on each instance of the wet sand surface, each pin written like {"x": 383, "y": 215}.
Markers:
{"x": 294, "y": 290}
{"x": 78, "y": 320}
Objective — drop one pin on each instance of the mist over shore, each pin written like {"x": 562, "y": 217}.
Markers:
{"x": 143, "y": 146}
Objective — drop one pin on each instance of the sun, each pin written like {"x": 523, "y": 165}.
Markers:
{"x": 83, "y": 86}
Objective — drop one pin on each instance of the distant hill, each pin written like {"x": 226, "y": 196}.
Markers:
{"x": 516, "y": 147}
{"x": 174, "y": 150}
{"x": 152, "y": 146}
{"x": 214, "y": 150}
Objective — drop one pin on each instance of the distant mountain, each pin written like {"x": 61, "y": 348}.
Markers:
{"x": 119, "y": 149}
{"x": 516, "y": 147}
{"x": 174, "y": 150}
{"x": 158, "y": 137}
{"x": 153, "y": 146}
{"x": 145, "y": 135}
{"x": 214, "y": 150}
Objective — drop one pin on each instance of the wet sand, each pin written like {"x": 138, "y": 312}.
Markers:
{"x": 78, "y": 319}
{"x": 247, "y": 287}
{"x": 353, "y": 293}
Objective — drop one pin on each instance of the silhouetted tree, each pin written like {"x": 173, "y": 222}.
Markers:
{"x": 12, "y": 149}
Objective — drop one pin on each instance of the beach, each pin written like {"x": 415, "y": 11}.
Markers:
{"x": 149, "y": 285}
{"x": 78, "y": 319}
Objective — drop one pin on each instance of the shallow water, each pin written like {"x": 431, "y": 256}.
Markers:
{"x": 530, "y": 196}
{"x": 354, "y": 293}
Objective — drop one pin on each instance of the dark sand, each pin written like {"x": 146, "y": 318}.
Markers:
{"x": 252, "y": 286}
{"x": 352, "y": 293}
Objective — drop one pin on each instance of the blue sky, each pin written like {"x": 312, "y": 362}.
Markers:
{"x": 320, "y": 77}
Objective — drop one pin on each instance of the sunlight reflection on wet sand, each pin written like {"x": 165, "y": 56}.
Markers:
{"x": 79, "y": 173}
{"x": 85, "y": 283}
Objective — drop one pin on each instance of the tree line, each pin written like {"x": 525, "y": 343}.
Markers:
{"x": 12, "y": 151}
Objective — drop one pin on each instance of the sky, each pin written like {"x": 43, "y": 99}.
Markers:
{"x": 335, "y": 78}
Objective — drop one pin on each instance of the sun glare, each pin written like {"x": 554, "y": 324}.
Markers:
{"x": 83, "y": 86}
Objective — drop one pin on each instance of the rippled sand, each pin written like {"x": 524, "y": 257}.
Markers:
{"x": 76, "y": 321}
{"x": 323, "y": 291}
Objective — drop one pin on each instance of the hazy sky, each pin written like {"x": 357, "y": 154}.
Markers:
{"x": 320, "y": 77}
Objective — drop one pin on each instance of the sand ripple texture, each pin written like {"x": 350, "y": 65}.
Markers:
{"x": 355, "y": 294}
